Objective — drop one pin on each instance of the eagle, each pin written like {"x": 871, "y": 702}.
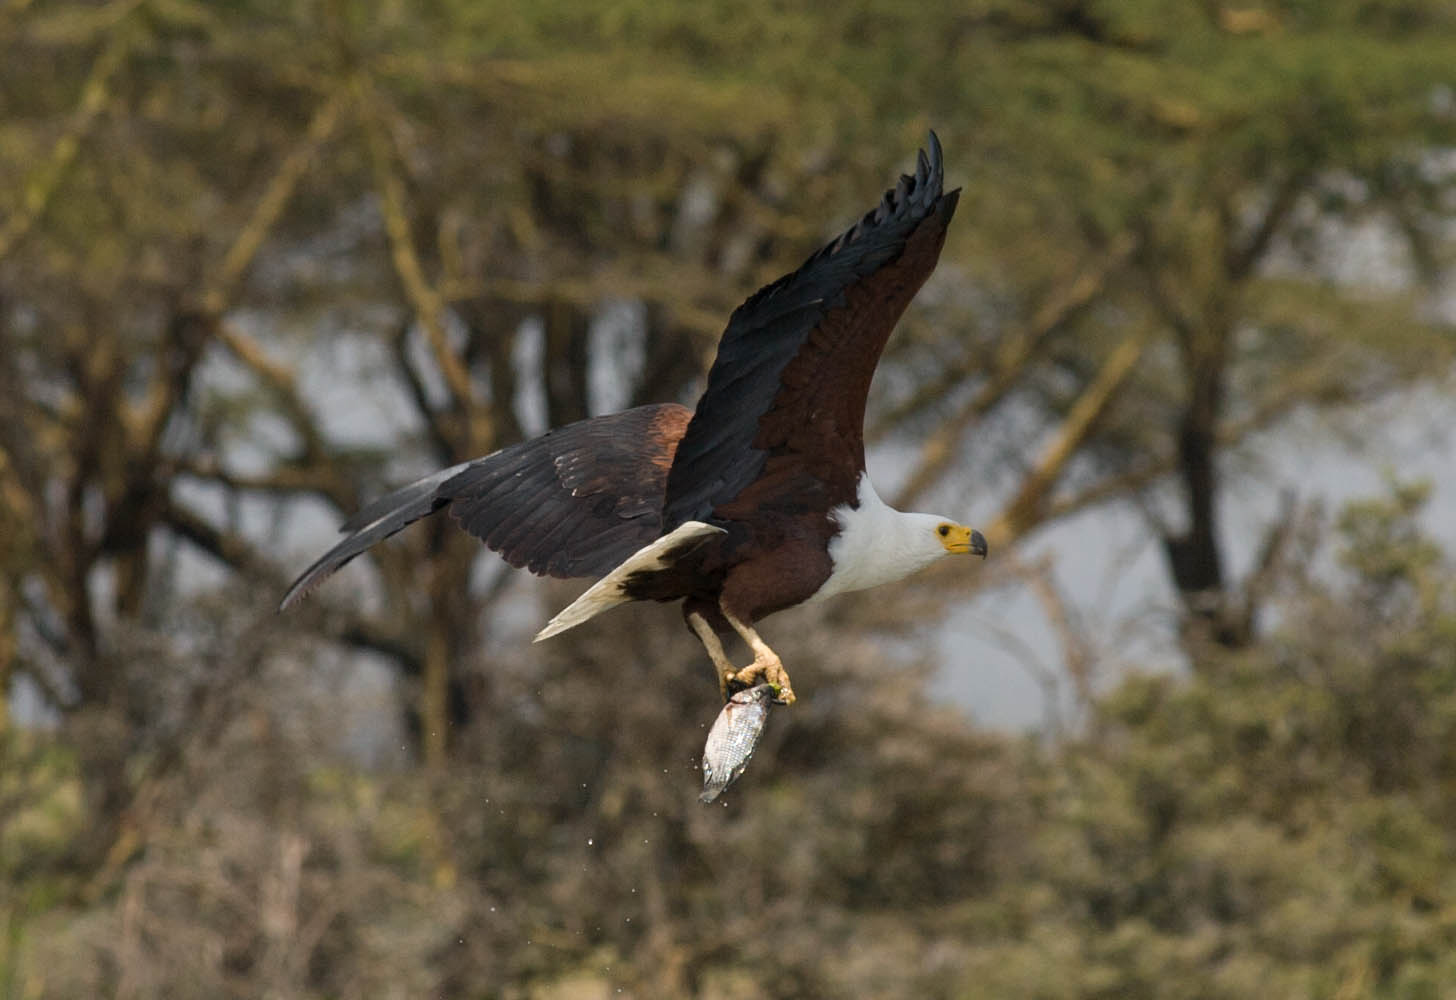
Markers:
{"x": 755, "y": 500}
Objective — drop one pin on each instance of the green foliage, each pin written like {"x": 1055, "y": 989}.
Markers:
{"x": 1280, "y": 824}
{"x": 41, "y": 801}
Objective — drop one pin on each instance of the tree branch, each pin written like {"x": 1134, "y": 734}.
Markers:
{"x": 1029, "y": 506}
{"x": 1077, "y": 652}
{"x": 226, "y": 547}
{"x": 1012, "y": 358}
{"x": 1240, "y": 261}
{"x": 426, "y": 301}
{"x": 287, "y": 478}
{"x": 236, "y": 553}
{"x": 444, "y": 449}
{"x": 204, "y": 321}
{"x": 45, "y": 179}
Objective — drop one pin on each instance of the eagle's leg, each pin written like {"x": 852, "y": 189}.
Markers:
{"x": 709, "y": 638}
{"x": 766, "y": 663}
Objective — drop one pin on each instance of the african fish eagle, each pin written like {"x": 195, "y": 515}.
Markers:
{"x": 754, "y": 501}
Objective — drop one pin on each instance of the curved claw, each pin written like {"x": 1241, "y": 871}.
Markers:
{"x": 783, "y": 692}
{"x": 766, "y": 662}
{"x": 771, "y": 671}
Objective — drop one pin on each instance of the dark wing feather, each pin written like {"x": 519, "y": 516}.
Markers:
{"x": 794, "y": 365}
{"x": 574, "y": 502}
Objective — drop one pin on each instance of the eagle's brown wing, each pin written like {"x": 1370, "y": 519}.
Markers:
{"x": 574, "y": 502}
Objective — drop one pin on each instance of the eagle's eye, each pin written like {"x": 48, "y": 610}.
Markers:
{"x": 943, "y": 530}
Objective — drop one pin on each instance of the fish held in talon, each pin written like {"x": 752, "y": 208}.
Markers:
{"x": 734, "y": 737}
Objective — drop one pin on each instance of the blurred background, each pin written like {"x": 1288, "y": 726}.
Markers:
{"x": 1187, "y": 360}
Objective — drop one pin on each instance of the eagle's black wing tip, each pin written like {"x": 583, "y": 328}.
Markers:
{"x": 296, "y": 593}
{"x": 379, "y": 519}
{"x": 329, "y": 564}
{"x": 929, "y": 176}
{"x": 915, "y": 194}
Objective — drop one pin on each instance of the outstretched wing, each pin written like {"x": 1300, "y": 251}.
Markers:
{"x": 574, "y": 502}
{"x": 794, "y": 366}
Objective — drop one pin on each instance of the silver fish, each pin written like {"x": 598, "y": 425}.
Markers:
{"x": 732, "y": 739}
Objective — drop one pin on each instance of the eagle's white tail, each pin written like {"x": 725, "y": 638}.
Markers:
{"x": 610, "y": 590}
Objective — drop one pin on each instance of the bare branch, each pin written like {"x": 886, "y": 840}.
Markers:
{"x": 433, "y": 418}
{"x": 1012, "y": 358}
{"x": 428, "y": 304}
{"x": 1240, "y": 261}
{"x": 1287, "y": 396}
{"x": 270, "y": 206}
{"x": 289, "y": 479}
{"x": 206, "y": 319}
{"x": 1028, "y": 508}
{"x": 1077, "y": 652}
{"x": 237, "y": 553}
{"x": 251, "y": 353}
{"x": 1262, "y": 578}
{"x": 283, "y": 384}
{"x": 227, "y": 547}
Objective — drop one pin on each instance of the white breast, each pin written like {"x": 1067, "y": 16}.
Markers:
{"x": 877, "y": 544}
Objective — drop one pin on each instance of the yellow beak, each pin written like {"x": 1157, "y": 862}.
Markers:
{"x": 962, "y": 539}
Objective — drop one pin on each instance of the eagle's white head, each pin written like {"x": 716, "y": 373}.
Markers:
{"x": 878, "y": 544}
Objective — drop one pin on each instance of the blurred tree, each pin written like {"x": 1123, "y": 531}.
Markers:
{"x": 1277, "y": 824}
{"x": 1282, "y": 822}
{"x": 1165, "y": 200}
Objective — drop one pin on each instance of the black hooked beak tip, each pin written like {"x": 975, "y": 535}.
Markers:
{"x": 978, "y": 544}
